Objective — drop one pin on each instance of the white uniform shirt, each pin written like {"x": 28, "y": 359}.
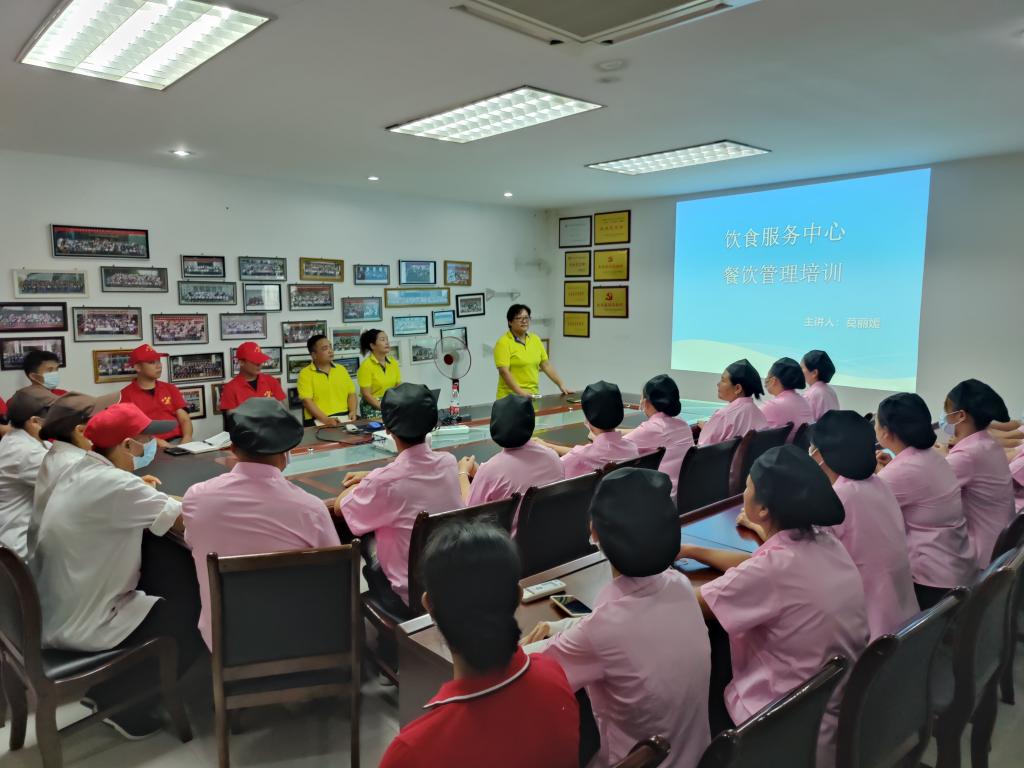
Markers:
{"x": 20, "y": 457}
{"x": 90, "y": 551}
{"x": 60, "y": 456}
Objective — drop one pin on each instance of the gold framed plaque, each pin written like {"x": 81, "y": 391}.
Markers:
{"x": 611, "y": 264}
{"x": 577, "y": 293}
{"x": 611, "y": 227}
{"x": 576, "y": 324}
{"x": 577, "y": 263}
{"x": 611, "y": 301}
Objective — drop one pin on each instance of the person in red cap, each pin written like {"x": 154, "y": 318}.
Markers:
{"x": 157, "y": 399}
{"x": 5, "y": 427}
{"x": 250, "y": 381}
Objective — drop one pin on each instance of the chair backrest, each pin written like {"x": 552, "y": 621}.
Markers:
{"x": 783, "y": 733}
{"x": 499, "y": 512}
{"x": 286, "y": 607}
{"x": 649, "y": 753}
{"x": 647, "y": 461}
{"x": 704, "y": 475}
{"x": 886, "y": 716}
{"x": 754, "y": 443}
{"x": 554, "y": 523}
{"x": 1011, "y": 537}
{"x": 21, "y": 616}
{"x": 802, "y": 436}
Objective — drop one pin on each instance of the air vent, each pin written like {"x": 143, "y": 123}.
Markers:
{"x": 586, "y": 21}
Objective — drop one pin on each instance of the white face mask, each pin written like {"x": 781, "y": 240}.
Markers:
{"x": 51, "y": 379}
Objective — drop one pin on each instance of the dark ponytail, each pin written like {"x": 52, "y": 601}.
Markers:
{"x": 906, "y": 416}
{"x": 368, "y": 339}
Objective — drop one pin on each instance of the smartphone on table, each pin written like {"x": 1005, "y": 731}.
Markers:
{"x": 570, "y": 605}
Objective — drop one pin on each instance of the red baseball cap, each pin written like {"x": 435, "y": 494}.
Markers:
{"x": 145, "y": 354}
{"x": 108, "y": 428}
{"x": 251, "y": 352}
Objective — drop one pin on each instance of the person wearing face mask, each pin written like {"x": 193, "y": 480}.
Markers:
{"x": 42, "y": 369}
{"x": 21, "y": 454}
{"x": 786, "y": 405}
{"x": 663, "y": 428}
{"x": 818, "y": 370}
{"x": 159, "y": 400}
{"x": 986, "y": 487}
{"x": 88, "y": 559}
{"x": 739, "y": 386}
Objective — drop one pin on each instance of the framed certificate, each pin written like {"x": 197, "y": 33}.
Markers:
{"x": 576, "y": 324}
{"x": 611, "y": 228}
{"x": 611, "y": 264}
{"x": 574, "y": 232}
{"x": 577, "y": 263}
{"x": 576, "y": 293}
{"x": 611, "y": 301}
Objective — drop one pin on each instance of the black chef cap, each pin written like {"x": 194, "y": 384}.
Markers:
{"x": 906, "y": 415}
{"x": 602, "y": 405}
{"x": 263, "y": 427}
{"x": 795, "y": 490}
{"x": 980, "y": 401}
{"x": 663, "y": 393}
{"x": 512, "y": 421}
{"x": 818, "y": 360}
{"x": 409, "y": 411}
{"x": 846, "y": 441}
{"x": 788, "y": 372}
{"x": 743, "y": 373}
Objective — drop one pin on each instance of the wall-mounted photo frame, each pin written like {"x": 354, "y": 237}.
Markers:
{"x": 417, "y": 297}
{"x": 417, "y": 272}
{"x": 202, "y": 267}
{"x": 134, "y": 280}
{"x": 111, "y": 365}
{"x": 456, "y": 333}
{"x": 13, "y": 350}
{"x": 294, "y": 333}
{"x": 107, "y": 323}
{"x": 243, "y": 325}
{"x": 371, "y": 274}
{"x": 271, "y": 367}
{"x": 441, "y": 317}
{"x": 324, "y": 270}
{"x": 195, "y": 401}
{"x": 547, "y": 346}
{"x": 408, "y": 325}
{"x": 470, "y": 304}
{"x": 262, "y": 269}
{"x": 611, "y": 264}
{"x": 261, "y": 297}
{"x": 293, "y": 398}
{"x": 25, "y": 317}
{"x": 293, "y": 364}
{"x": 180, "y": 329}
{"x": 216, "y": 390}
{"x": 576, "y": 324}
{"x": 576, "y": 293}
{"x": 362, "y": 309}
{"x": 203, "y": 293}
{"x": 458, "y": 273}
{"x": 422, "y": 350}
{"x": 306, "y": 297}
{"x": 577, "y": 263}
{"x": 611, "y": 227}
{"x": 611, "y": 301}
{"x": 50, "y": 284}
{"x": 345, "y": 341}
{"x": 574, "y": 232}
{"x": 350, "y": 363}
{"x": 71, "y": 242}
{"x": 197, "y": 367}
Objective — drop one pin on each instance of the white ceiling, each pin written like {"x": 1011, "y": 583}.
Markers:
{"x": 829, "y": 86}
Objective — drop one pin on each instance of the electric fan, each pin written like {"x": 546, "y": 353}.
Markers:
{"x": 452, "y": 358}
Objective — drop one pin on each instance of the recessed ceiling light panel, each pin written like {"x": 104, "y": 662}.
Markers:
{"x": 151, "y": 43}
{"x": 679, "y": 158}
{"x": 505, "y": 112}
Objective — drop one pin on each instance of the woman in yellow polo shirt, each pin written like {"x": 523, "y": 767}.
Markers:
{"x": 377, "y": 373}
{"x": 520, "y": 356}
{"x": 326, "y": 390}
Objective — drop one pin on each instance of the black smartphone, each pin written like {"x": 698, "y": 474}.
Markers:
{"x": 175, "y": 450}
{"x": 570, "y": 605}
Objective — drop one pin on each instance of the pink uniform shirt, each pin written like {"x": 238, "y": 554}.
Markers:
{"x": 645, "y": 659}
{"x": 250, "y": 510}
{"x": 734, "y": 420}
{"x": 821, "y": 398}
{"x": 389, "y": 498}
{"x": 786, "y": 407}
{"x": 1017, "y": 473}
{"x": 794, "y": 604}
{"x": 668, "y": 432}
{"x": 607, "y": 447}
{"x": 929, "y": 497}
{"x": 513, "y": 471}
{"x": 873, "y": 535}
{"x": 986, "y": 490}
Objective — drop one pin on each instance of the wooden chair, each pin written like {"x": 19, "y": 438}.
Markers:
{"x": 1012, "y": 536}
{"x": 650, "y": 460}
{"x": 554, "y": 523}
{"x": 54, "y": 677}
{"x": 801, "y": 438}
{"x": 704, "y": 475}
{"x": 785, "y": 733}
{"x": 885, "y": 719}
{"x": 969, "y": 666}
{"x": 649, "y": 753}
{"x": 753, "y": 445}
{"x": 287, "y": 627}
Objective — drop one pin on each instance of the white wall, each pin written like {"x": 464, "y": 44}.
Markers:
{"x": 971, "y": 310}
{"x": 191, "y": 212}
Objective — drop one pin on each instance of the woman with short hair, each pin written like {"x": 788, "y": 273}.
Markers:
{"x": 519, "y": 357}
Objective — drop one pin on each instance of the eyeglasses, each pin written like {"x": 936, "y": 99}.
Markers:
{"x": 521, "y": 319}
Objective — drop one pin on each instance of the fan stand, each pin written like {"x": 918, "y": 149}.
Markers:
{"x": 453, "y": 416}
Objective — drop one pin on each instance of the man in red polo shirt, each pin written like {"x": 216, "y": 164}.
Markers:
{"x": 250, "y": 381}
{"x": 157, "y": 399}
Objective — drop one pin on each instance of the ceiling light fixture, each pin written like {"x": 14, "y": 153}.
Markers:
{"x": 507, "y": 194}
{"x": 509, "y": 111}
{"x": 181, "y": 153}
{"x": 373, "y": 178}
{"x": 151, "y": 43}
{"x": 679, "y": 158}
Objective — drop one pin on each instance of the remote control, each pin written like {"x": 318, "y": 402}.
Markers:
{"x": 542, "y": 590}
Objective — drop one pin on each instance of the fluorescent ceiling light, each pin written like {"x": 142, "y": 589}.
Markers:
{"x": 151, "y": 43}
{"x": 507, "y": 194}
{"x": 505, "y": 112}
{"x": 373, "y": 178}
{"x": 181, "y": 153}
{"x": 679, "y": 158}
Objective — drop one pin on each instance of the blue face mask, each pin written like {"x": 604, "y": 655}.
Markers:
{"x": 148, "y": 454}
{"x": 945, "y": 426}
{"x": 51, "y": 380}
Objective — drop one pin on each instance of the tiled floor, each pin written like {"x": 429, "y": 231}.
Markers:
{"x": 317, "y": 735}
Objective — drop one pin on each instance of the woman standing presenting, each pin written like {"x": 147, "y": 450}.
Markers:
{"x": 519, "y": 357}
{"x": 377, "y": 373}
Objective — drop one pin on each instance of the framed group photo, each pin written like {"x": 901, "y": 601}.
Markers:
{"x": 272, "y": 366}
{"x": 133, "y": 280}
{"x": 294, "y": 364}
{"x": 261, "y": 269}
{"x": 325, "y": 270}
{"x": 215, "y": 392}
{"x": 261, "y": 297}
{"x": 13, "y": 350}
{"x": 180, "y": 329}
{"x": 26, "y": 317}
{"x": 107, "y": 323}
{"x": 441, "y": 317}
{"x": 458, "y": 273}
{"x": 345, "y": 341}
{"x": 409, "y": 325}
{"x": 207, "y": 293}
{"x": 243, "y": 325}
{"x": 417, "y": 297}
{"x": 50, "y": 284}
{"x": 350, "y": 364}
{"x": 198, "y": 367}
{"x": 195, "y": 401}
{"x": 371, "y": 274}
{"x": 305, "y": 296}
{"x": 202, "y": 267}
{"x": 111, "y": 365}
{"x": 422, "y": 350}
{"x": 99, "y": 242}
{"x": 456, "y": 333}
{"x": 469, "y": 304}
{"x": 361, "y": 309}
{"x": 294, "y": 333}
{"x": 417, "y": 272}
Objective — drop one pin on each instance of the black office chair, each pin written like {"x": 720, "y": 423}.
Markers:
{"x": 801, "y": 438}
{"x": 704, "y": 475}
{"x": 1011, "y": 537}
{"x": 751, "y": 447}
{"x": 554, "y": 523}
{"x": 650, "y": 460}
{"x": 885, "y": 719}
{"x": 785, "y": 733}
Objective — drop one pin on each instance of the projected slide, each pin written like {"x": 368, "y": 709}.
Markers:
{"x": 835, "y": 266}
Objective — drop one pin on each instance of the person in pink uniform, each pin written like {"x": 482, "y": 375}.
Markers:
{"x": 643, "y": 654}
{"x": 253, "y": 508}
{"x": 387, "y": 500}
{"x": 603, "y": 409}
{"x": 522, "y": 463}
{"x": 818, "y": 370}
{"x": 986, "y": 488}
{"x": 739, "y": 386}
{"x": 928, "y": 492}
{"x": 793, "y": 604}
{"x": 786, "y": 406}
{"x": 1017, "y": 473}
{"x": 843, "y": 445}
{"x": 662, "y": 429}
